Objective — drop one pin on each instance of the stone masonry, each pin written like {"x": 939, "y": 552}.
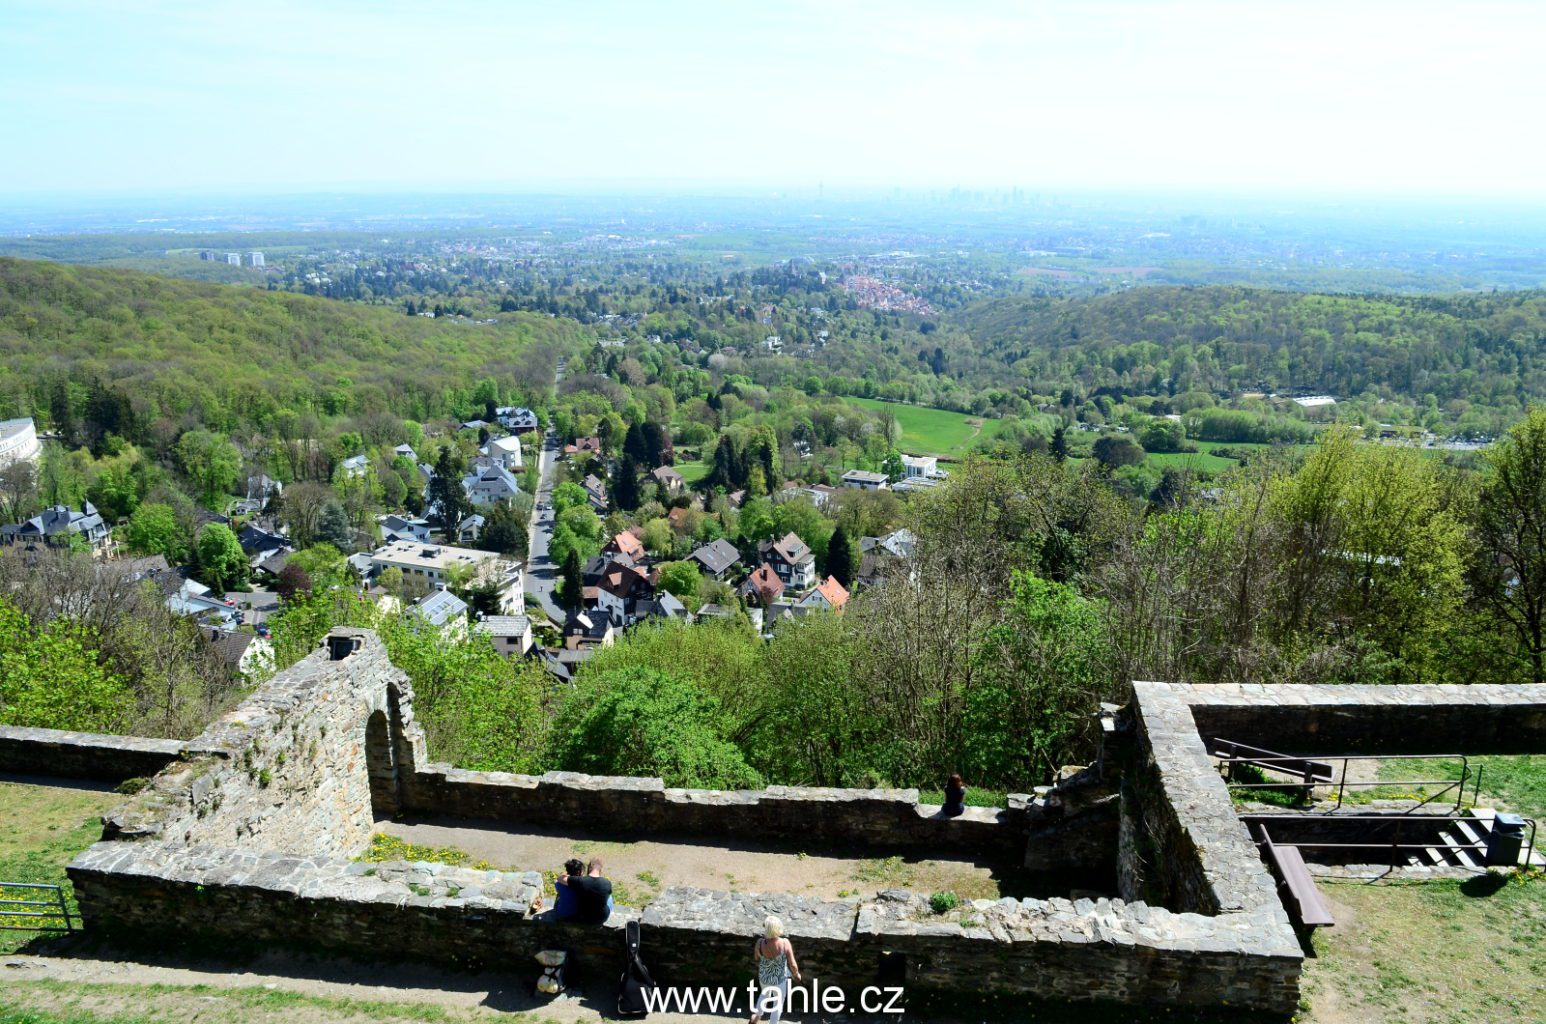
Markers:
{"x": 250, "y": 835}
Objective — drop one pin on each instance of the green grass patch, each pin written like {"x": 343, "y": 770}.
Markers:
{"x": 45, "y": 827}
{"x": 1204, "y": 462}
{"x": 693, "y": 472}
{"x": 934, "y": 431}
{"x": 384, "y": 848}
{"x": 974, "y": 797}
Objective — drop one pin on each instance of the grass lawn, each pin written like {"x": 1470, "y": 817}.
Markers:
{"x": 692, "y": 472}
{"x": 44, "y": 828}
{"x": 1202, "y": 461}
{"x": 934, "y": 431}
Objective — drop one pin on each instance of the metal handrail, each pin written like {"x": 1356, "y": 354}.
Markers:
{"x": 1458, "y": 785}
{"x": 1396, "y": 845}
{"x": 59, "y": 909}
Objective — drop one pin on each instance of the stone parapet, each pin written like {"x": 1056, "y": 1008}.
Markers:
{"x": 83, "y": 755}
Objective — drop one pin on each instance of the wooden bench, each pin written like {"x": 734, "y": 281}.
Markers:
{"x": 1298, "y": 888}
{"x": 1238, "y": 753}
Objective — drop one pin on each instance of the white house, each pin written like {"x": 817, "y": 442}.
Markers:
{"x": 517, "y": 418}
{"x": 921, "y": 467}
{"x": 18, "y": 442}
{"x": 510, "y": 634}
{"x": 505, "y": 452}
{"x": 354, "y": 465}
{"x": 490, "y": 486}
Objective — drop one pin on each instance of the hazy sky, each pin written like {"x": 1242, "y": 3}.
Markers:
{"x": 281, "y": 96}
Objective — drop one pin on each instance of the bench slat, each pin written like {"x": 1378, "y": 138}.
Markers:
{"x": 1272, "y": 761}
{"x": 1313, "y": 912}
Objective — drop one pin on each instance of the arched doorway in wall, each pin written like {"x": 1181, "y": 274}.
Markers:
{"x": 381, "y": 763}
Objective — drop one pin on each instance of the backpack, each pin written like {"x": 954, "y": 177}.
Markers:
{"x": 636, "y": 977}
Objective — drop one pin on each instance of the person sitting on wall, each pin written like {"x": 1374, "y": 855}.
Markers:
{"x": 592, "y": 893}
{"x": 955, "y": 797}
{"x": 567, "y": 904}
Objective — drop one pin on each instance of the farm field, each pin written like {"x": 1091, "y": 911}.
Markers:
{"x": 934, "y": 431}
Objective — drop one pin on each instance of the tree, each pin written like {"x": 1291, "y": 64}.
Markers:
{"x": 1510, "y": 525}
{"x": 222, "y": 563}
{"x": 293, "y": 580}
{"x": 680, "y": 579}
{"x": 1027, "y": 711}
{"x": 1115, "y": 451}
{"x": 333, "y": 527}
{"x": 1161, "y": 435}
{"x": 446, "y": 495}
{"x": 1060, "y": 443}
{"x": 639, "y": 721}
{"x": 50, "y": 677}
{"x": 18, "y": 491}
{"x": 154, "y": 529}
{"x": 658, "y": 537}
{"x": 625, "y": 485}
{"x": 300, "y": 509}
{"x": 840, "y": 558}
{"x": 571, "y": 590}
{"x": 504, "y": 530}
{"x": 211, "y": 461}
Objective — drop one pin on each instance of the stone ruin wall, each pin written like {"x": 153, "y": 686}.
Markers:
{"x": 248, "y": 838}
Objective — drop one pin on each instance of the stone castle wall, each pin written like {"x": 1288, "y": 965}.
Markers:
{"x": 83, "y": 755}
{"x": 249, "y": 837}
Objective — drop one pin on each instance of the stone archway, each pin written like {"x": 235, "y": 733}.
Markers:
{"x": 381, "y": 762}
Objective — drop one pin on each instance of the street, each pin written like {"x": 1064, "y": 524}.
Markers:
{"x": 541, "y": 573}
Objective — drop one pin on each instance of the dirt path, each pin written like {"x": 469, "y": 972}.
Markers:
{"x": 639, "y": 870}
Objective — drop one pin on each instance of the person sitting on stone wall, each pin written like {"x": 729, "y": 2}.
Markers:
{"x": 955, "y": 797}
{"x": 592, "y": 893}
{"x": 567, "y": 904}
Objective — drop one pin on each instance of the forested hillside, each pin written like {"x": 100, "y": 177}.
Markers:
{"x": 1447, "y": 353}
{"x": 233, "y": 357}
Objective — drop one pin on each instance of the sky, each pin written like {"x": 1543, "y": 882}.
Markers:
{"x": 1343, "y": 97}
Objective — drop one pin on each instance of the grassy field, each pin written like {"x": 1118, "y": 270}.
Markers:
{"x": 45, "y": 827}
{"x": 934, "y": 431}
{"x": 693, "y": 472}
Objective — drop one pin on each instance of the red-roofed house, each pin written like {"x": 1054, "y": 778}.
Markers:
{"x": 763, "y": 585}
{"x": 830, "y": 596}
{"x": 627, "y": 545}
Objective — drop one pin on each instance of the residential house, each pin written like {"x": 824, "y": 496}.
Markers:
{"x": 259, "y": 544}
{"x": 763, "y": 586}
{"x": 717, "y": 558}
{"x": 469, "y": 529}
{"x": 877, "y": 555}
{"x": 669, "y": 479}
{"x": 436, "y": 563}
{"x": 830, "y": 595}
{"x": 626, "y": 545}
{"x": 187, "y": 596}
{"x": 921, "y": 466}
{"x": 58, "y": 524}
{"x": 792, "y": 559}
{"x": 474, "y": 425}
{"x": 736, "y": 498}
{"x": 246, "y": 655}
{"x": 505, "y": 452}
{"x": 595, "y": 492}
{"x": 440, "y": 608}
{"x": 583, "y": 445}
{"x": 354, "y": 466}
{"x": 488, "y": 487}
{"x": 510, "y": 634}
{"x": 517, "y": 418}
{"x": 584, "y": 629}
{"x": 664, "y": 605}
{"x": 263, "y": 488}
{"x": 405, "y": 451}
{"x": 396, "y": 527}
{"x": 620, "y": 590}
{"x": 864, "y": 480}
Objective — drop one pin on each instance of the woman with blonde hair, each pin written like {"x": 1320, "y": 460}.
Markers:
{"x": 775, "y": 961}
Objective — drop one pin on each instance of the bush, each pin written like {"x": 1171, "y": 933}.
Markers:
{"x": 944, "y": 902}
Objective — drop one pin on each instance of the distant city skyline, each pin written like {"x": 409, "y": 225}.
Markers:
{"x": 1371, "y": 97}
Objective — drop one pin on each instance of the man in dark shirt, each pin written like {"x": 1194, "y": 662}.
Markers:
{"x": 593, "y": 894}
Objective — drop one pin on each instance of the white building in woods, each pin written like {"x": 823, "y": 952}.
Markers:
{"x": 436, "y": 564}
{"x": 18, "y": 442}
{"x": 921, "y": 467}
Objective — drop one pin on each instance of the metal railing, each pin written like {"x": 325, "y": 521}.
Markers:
{"x": 39, "y": 910}
{"x": 1457, "y": 786}
{"x": 1396, "y": 846}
